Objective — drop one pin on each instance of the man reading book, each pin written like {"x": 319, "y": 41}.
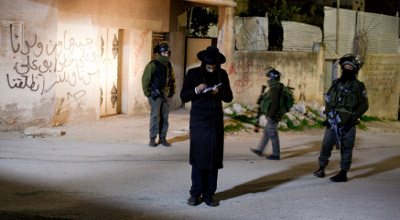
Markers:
{"x": 206, "y": 123}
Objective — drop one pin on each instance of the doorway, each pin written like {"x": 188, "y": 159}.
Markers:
{"x": 109, "y": 72}
{"x": 331, "y": 73}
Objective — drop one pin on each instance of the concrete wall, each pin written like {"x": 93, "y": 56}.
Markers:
{"x": 82, "y": 21}
{"x": 50, "y": 58}
{"x": 381, "y": 75}
{"x": 300, "y": 70}
{"x": 51, "y": 66}
{"x": 123, "y": 14}
{"x": 304, "y": 72}
{"x": 140, "y": 47}
{"x": 177, "y": 36}
{"x": 28, "y": 52}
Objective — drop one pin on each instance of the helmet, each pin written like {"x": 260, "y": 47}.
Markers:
{"x": 351, "y": 60}
{"x": 161, "y": 48}
{"x": 274, "y": 74}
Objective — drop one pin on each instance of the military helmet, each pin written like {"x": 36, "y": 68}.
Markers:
{"x": 351, "y": 60}
{"x": 274, "y": 74}
{"x": 161, "y": 48}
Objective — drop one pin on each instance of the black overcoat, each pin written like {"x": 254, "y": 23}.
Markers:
{"x": 206, "y": 117}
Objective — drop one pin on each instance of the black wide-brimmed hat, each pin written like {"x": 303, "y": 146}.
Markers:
{"x": 211, "y": 56}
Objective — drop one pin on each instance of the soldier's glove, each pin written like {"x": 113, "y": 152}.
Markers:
{"x": 153, "y": 95}
{"x": 326, "y": 123}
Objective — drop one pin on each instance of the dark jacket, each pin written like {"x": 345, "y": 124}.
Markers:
{"x": 206, "y": 117}
{"x": 350, "y": 104}
{"x": 270, "y": 103}
{"x": 148, "y": 76}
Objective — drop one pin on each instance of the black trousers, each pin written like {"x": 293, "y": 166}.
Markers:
{"x": 346, "y": 150}
{"x": 204, "y": 182}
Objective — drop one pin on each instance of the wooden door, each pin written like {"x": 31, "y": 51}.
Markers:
{"x": 109, "y": 72}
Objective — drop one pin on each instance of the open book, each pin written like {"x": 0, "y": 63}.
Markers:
{"x": 211, "y": 88}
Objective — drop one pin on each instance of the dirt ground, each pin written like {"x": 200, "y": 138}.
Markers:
{"x": 134, "y": 129}
{"x": 104, "y": 169}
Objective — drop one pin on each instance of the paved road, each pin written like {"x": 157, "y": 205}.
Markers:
{"x": 53, "y": 179}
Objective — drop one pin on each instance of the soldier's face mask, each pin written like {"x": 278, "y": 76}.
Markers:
{"x": 348, "y": 74}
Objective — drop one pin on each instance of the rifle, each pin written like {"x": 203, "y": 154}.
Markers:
{"x": 334, "y": 120}
{"x": 257, "y": 124}
{"x": 158, "y": 94}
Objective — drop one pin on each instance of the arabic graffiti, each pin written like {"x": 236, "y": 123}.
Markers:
{"x": 72, "y": 61}
{"x": 138, "y": 49}
{"x": 243, "y": 68}
{"x": 38, "y": 66}
{"x": 70, "y": 100}
{"x": 76, "y": 68}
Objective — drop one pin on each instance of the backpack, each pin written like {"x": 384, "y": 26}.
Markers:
{"x": 286, "y": 101}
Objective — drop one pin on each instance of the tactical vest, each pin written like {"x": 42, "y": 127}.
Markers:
{"x": 343, "y": 97}
{"x": 159, "y": 77}
{"x": 266, "y": 102}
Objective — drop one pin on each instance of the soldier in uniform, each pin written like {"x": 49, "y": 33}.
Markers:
{"x": 348, "y": 97}
{"x": 269, "y": 103}
{"x": 158, "y": 83}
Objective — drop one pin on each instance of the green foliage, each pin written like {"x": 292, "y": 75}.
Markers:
{"x": 312, "y": 110}
{"x": 256, "y": 8}
{"x": 300, "y": 11}
{"x": 245, "y": 119}
{"x": 362, "y": 126}
{"x": 318, "y": 125}
{"x": 236, "y": 127}
{"x": 282, "y": 12}
{"x": 201, "y": 19}
{"x": 366, "y": 118}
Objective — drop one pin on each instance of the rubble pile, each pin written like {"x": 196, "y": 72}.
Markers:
{"x": 301, "y": 115}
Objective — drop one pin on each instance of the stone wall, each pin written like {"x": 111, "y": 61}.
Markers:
{"x": 251, "y": 33}
{"x": 381, "y": 75}
{"x": 300, "y": 70}
{"x": 304, "y": 72}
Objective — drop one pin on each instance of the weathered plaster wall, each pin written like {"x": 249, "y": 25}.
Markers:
{"x": 78, "y": 68}
{"x": 81, "y": 23}
{"x": 140, "y": 44}
{"x": 28, "y": 53}
{"x": 381, "y": 75}
{"x": 300, "y": 70}
{"x": 123, "y": 14}
{"x": 177, "y": 35}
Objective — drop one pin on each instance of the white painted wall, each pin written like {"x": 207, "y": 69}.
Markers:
{"x": 27, "y": 62}
{"x": 78, "y": 71}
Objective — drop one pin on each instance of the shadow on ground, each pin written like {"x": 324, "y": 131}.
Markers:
{"x": 27, "y": 202}
{"x": 271, "y": 181}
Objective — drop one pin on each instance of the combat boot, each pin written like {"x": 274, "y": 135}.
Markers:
{"x": 255, "y": 151}
{"x": 340, "y": 177}
{"x": 152, "y": 142}
{"x": 320, "y": 173}
{"x": 164, "y": 142}
{"x": 272, "y": 157}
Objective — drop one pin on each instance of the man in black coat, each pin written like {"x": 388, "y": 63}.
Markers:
{"x": 206, "y": 122}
